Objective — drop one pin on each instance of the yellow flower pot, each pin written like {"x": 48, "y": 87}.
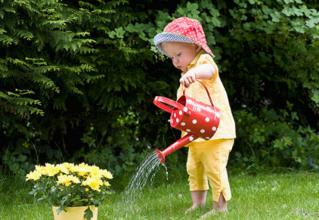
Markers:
{"x": 74, "y": 213}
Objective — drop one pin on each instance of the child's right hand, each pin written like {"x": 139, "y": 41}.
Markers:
{"x": 188, "y": 78}
{"x": 203, "y": 71}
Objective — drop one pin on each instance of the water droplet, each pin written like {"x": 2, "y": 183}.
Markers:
{"x": 166, "y": 171}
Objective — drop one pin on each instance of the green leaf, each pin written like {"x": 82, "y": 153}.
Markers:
{"x": 315, "y": 97}
{"x": 88, "y": 214}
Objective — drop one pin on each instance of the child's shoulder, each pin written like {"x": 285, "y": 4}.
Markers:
{"x": 205, "y": 58}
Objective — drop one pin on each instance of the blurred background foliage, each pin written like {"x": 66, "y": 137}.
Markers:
{"x": 77, "y": 80}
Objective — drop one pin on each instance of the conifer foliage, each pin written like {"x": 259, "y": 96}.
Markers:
{"x": 49, "y": 58}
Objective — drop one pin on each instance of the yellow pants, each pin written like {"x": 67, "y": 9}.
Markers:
{"x": 206, "y": 163}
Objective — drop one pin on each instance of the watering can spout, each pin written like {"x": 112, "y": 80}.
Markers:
{"x": 174, "y": 147}
{"x": 160, "y": 156}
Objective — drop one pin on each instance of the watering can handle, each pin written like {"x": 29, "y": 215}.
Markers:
{"x": 209, "y": 97}
{"x": 166, "y": 104}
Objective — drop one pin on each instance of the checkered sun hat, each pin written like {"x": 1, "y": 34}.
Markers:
{"x": 185, "y": 30}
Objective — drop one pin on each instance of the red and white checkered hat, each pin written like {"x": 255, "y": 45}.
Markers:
{"x": 185, "y": 30}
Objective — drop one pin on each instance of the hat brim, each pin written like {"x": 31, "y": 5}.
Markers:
{"x": 169, "y": 37}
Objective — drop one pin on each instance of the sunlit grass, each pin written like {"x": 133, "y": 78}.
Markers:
{"x": 262, "y": 196}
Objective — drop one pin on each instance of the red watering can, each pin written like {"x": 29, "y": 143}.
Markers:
{"x": 194, "y": 117}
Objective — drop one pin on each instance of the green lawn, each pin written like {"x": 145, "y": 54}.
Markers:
{"x": 263, "y": 196}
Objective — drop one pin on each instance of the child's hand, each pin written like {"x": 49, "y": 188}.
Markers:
{"x": 188, "y": 78}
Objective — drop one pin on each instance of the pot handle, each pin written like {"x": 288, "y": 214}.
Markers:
{"x": 167, "y": 104}
{"x": 209, "y": 97}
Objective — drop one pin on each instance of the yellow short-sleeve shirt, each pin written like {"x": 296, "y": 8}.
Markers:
{"x": 226, "y": 129}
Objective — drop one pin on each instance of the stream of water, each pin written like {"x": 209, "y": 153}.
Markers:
{"x": 143, "y": 175}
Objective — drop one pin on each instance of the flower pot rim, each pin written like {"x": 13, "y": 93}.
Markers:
{"x": 94, "y": 206}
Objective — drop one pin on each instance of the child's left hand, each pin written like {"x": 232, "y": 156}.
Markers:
{"x": 188, "y": 78}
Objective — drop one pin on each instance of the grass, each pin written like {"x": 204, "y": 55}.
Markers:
{"x": 262, "y": 196}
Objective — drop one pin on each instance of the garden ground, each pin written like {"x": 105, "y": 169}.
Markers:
{"x": 289, "y": 195}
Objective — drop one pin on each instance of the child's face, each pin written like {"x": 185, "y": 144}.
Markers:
{"x": 181, "y": 54}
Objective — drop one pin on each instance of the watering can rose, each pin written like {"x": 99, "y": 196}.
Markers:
{"x": 69, "y": 185}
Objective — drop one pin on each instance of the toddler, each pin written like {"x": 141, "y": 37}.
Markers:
{"x": 183, "y": 41}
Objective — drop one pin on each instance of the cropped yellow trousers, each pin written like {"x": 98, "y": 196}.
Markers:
{"x": 206, "y": 164}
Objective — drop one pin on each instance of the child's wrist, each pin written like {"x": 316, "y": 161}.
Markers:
{"x": 193, "y": 74}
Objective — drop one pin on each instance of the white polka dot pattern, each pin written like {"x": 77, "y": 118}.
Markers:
{"x": 196, "y": 118}
{"x": 196, "y": 122}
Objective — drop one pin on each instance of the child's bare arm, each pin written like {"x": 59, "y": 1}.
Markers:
{"x": 204, "y": 71}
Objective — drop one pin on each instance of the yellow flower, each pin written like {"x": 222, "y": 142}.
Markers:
{"x": 67, "y": 180}
{"x": 81, "y": 169}
{"x": 93, "y": 182}
{"x": 40, "y": 169}
{"x": 34, "y": 175}
{"x": 107, "y": 174}
{"x": 70, "y": 178}
{"x": 106, "y": 183}
{"x": 48, "y": 169}
{"x": 65, "y": 167}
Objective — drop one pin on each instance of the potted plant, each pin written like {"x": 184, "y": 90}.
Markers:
{"x": 67, "y": 185}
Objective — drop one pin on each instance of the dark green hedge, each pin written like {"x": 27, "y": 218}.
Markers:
{"x": 77, "y": 80}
